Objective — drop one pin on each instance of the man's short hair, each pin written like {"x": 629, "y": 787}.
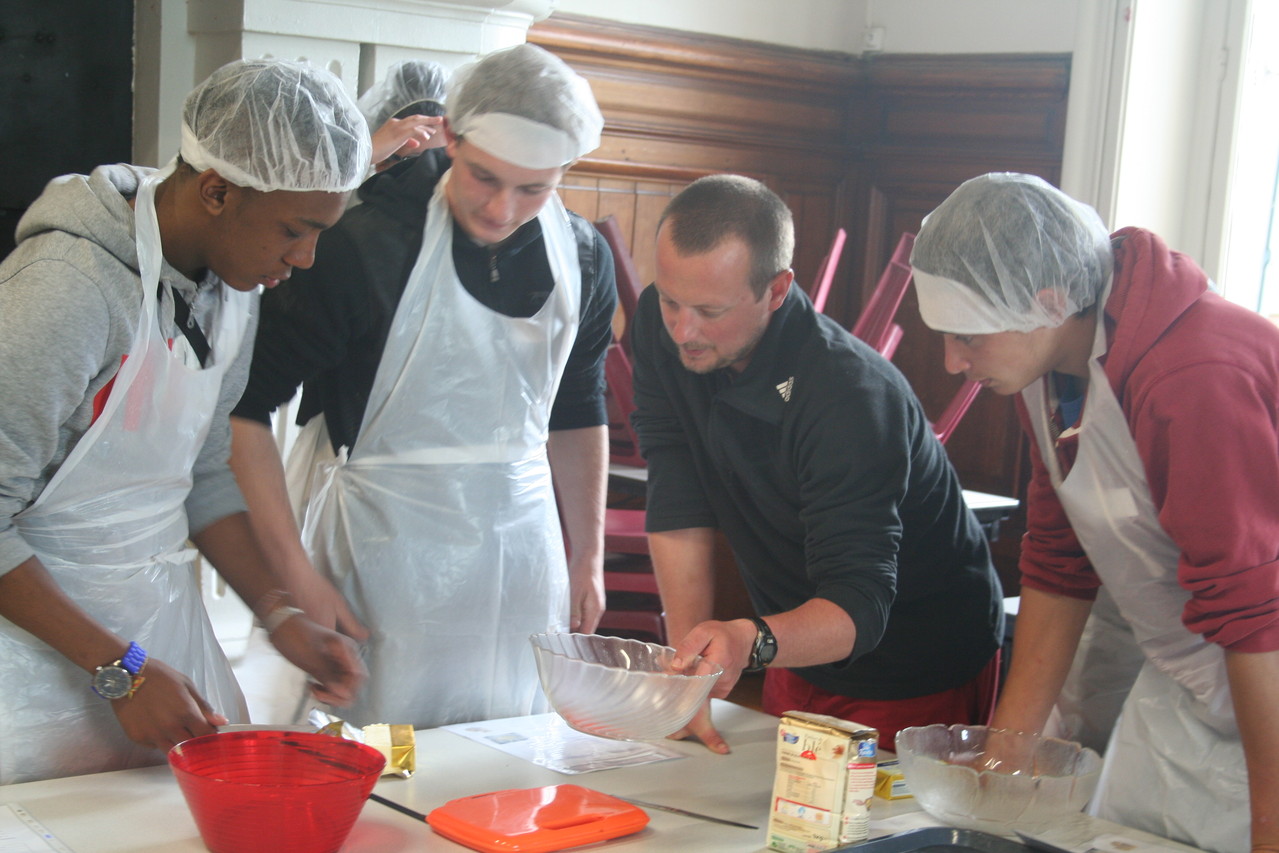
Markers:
{"x": 717, "y": 207}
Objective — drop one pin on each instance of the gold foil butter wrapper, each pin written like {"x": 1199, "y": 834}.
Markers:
{"x": 395, "y": 741}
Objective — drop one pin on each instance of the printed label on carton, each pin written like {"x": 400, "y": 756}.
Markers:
{"x": 825, "y": 779}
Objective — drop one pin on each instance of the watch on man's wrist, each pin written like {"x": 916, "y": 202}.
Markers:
{"x": 120, "y": 679}
{"x": 765, "y": 647}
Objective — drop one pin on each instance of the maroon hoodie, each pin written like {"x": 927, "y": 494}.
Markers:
{"x": 1198, "y": 380}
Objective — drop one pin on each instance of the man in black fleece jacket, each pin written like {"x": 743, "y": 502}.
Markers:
{"x": 762, "y": 418}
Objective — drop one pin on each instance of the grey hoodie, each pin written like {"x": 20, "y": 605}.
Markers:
{"x": 70, "y": 296}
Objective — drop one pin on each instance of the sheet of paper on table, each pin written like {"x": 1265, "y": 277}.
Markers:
{"x": 21, "y": 833}
{"x": 546, "y": 740}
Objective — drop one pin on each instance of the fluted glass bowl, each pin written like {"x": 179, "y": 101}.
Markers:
{"x": 618, "y": 688}
{"x": 995, "y": 780}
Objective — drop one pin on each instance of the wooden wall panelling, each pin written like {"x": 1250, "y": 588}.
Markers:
{"x": 678, "y": 107}
{"x": 581, "y": 195}
{"x": 636, "y": 205}
{"x": 925, "y": 125}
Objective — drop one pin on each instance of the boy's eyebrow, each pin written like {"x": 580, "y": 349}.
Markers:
{"x": 479, "y": 170}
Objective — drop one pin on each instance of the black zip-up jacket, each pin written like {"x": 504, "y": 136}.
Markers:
{"x": 823, "y": 473}
{"x": 325, "y": 328}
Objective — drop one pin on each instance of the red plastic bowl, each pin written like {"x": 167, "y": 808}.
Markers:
{"x": 275, "y": 791}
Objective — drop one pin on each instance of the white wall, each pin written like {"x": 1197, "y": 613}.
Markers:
{"x": 909, "y": 26}
{"x": 974, "y": 26}
{"x": 180, "y": 42}
{"x": 1151, "y": 119}
{"x": 1172, "y": 114}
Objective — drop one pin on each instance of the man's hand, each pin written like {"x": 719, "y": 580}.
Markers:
{"x": 399, "y": 138}
{"x": 728, "y": 644}
{"x": 700, "y": 727}
{"x": 579, "y": 469}
{"x": 326, "y": 607}
{"x": 330, "y": 658}
{"x": 165, "y": 710}
{"x": 585, "y": 593}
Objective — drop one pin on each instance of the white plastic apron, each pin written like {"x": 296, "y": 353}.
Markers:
{"x": 440, "y": 527}
{"x": 1105, "y": 668}
{"x": 111, "y": 528}
{"x": 1175, "y": 764}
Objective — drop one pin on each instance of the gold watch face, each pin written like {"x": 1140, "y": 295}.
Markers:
{"x": 112, "y": 682}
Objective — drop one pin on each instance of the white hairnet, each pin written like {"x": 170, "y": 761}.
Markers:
{"x": 985, "y": 254}
{"x": 406, "y": 84}
{"x": 271, "y": 125}
{"x": 525, "y": 106}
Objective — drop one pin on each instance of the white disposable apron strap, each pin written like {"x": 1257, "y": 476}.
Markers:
{"x": 476, "y": 454}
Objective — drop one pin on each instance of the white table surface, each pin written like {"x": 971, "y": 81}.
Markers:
{"x": 142, "y": 811}
{"x": 978, "y": 501}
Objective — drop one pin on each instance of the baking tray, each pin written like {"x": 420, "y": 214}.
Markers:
{"x": 935, "y": 838}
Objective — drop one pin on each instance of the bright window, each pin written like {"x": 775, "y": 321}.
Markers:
{"x": 1250, "y": 268}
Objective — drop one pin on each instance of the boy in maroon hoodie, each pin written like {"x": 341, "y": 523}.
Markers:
{"x": 1153, "y": 409}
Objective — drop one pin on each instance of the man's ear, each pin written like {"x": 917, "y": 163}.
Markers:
{"x": 778, "y": 288}
{"x": 212, "y": 190}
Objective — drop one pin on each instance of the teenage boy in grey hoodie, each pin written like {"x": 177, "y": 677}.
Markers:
{"x": 123, "y": 311}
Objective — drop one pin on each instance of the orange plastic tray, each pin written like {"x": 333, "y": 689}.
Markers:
{"x": 536, "y": 820}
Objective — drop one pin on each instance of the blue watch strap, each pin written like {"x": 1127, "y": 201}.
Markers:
{"x": 134, "y": 659}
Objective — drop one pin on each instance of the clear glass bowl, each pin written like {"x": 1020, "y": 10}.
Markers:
{"x": 265, "y": 791}
{"x": 995, "y": 780}
{"x": 618, "y": 688}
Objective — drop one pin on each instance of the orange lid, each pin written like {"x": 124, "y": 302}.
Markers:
{"x": 536, "y": 820}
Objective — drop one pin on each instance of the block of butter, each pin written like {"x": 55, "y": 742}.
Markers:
{"x": 397, "y": 744}
{"x": 890, "y": 784}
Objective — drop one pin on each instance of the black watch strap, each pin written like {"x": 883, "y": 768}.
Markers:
{"x": 765, "y": 647}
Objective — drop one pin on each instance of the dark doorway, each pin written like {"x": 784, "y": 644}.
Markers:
{"x": 66, "y": 95}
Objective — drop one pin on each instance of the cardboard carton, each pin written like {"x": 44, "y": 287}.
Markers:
{"x": 825, "y": 779}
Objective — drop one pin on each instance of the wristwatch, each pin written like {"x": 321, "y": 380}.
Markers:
{"x": 119, "y": 679}
{"x": 765, "y": 648}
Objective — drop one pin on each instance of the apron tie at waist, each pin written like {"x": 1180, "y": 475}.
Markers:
{"x": 467, "y": 455}
{"x": 178, "y": 558}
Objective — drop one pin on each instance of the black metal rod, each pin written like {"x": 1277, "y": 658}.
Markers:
{"x": 399, "y": 808}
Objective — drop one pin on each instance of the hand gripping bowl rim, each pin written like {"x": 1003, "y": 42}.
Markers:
{"x": 694, "y": 661}
{"x": 619, "y": 702}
